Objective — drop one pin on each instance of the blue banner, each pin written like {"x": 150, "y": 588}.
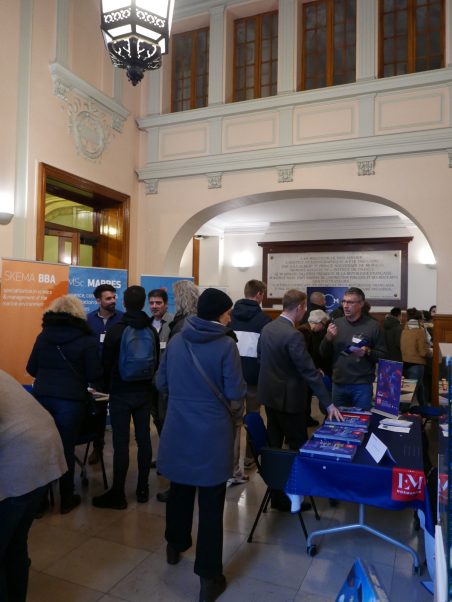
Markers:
{"x": 333, "y": 295}
{"x": 83, "y": 281}
{"x": 164, "y": 282}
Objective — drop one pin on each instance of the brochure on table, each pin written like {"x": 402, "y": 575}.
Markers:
{"x": 389, "y": 382}
{"x": 28, "y": 289}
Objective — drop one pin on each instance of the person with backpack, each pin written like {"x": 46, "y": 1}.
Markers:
{"x": 130, "y": 358}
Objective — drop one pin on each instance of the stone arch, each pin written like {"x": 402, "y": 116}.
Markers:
{"x": 179, "y": 243}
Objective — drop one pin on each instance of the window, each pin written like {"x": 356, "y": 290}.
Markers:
{"x": 328, "y": 43}
{"x": 190, "y": 70}
{"x": 255, "y": 56}
{"x": 411, "y": 36}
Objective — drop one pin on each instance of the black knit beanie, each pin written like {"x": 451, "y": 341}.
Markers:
{"x": 212, "y": 303}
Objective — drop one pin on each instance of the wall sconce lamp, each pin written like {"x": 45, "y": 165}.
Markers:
{"x": 242, "y": 261}
{"x": 136, "y": 34}
{"x": 427, "y": 258}
{"x": 6, "y": 208}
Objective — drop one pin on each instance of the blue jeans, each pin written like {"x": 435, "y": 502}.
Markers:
{"x": 68, "y": 415}
{"x": 123, "y": 407}
{"x": 16, "y": 516}
{"x": 359, "y": 395}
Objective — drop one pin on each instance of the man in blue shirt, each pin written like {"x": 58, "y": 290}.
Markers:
{"x": 100, "y": 320}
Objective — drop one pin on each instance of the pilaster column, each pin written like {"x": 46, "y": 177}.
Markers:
{"x": 287, "y": 43}
{"x": 216, "y": 55}
{"x": 366, "y": 39}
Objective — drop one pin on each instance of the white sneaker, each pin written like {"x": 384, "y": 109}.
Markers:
{"x": 238, "y": 480}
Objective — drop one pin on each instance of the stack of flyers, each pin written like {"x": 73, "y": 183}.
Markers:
{"x": 334, "y": 450}
{"x": 340, "y": 433}
{"x": 354, "y": 410}
{"x": 353, "y": 421}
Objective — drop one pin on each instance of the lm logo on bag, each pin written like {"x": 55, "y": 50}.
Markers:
{"x": 137, "y": 354}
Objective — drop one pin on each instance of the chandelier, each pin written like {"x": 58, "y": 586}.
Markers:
{"x": 136, "y": 34}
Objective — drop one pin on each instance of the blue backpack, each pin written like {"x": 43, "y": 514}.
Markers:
{"x": 137, "y": 355}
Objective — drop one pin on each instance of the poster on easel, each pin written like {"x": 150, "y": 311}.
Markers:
{"x": 150, "y": 282}
{"x": 389, "y": 383}
{"x": 27, "y": 290}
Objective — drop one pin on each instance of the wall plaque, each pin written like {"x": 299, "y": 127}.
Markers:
{"x": 377, "y": 266}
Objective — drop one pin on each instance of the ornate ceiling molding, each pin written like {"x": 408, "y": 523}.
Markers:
{"x": 94, "y": 117}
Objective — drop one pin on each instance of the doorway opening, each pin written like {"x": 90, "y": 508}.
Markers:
{"x": 81, "y": 222}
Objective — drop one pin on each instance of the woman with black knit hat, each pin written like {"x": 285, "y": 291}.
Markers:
{"x": 202, "y": 373}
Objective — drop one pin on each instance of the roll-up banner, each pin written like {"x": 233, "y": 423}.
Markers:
{"x": 149, "y": 282}
{"x": 27, "y": 290}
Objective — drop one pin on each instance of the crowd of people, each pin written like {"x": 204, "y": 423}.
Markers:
{"x": 195, "y": 373}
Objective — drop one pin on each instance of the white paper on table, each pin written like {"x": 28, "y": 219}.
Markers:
{"x": 395, "y": 422}
{"x": 394, "y": 429}
{"x": 377, "y": 449}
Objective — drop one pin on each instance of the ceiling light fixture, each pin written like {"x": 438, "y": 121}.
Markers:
{"x": 136, "y": 34}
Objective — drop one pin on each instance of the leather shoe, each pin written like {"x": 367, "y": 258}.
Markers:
{"x": 142, "y": 494}
{"x": 69, "y": 503}
{"x": 172, "y": 555}
{"x": 110, "y": 499}
{"x": 281, "y": 506}
{"x": 163, "y": 496}
{"x": 211, "y": 589}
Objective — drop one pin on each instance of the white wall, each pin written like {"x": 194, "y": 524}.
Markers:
{"x": 421, "y": 279}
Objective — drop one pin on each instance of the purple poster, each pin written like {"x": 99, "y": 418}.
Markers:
{"x": 389, "y": 382}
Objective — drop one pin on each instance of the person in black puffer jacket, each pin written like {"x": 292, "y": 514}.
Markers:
{"x": 64, "y": 361}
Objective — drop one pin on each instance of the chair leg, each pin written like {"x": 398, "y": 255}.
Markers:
{"x": 303, "y": 526}
{"x": 314, "y": 507}
{"x": 104, "y": 475}
{"x": 261, "y": 509}
{"x": 85, "y": 457}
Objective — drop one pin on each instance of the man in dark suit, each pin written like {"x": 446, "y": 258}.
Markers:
{"x": 286, "y": 371}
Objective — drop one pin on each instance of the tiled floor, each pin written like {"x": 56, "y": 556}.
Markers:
{"x": 111, "y": 556}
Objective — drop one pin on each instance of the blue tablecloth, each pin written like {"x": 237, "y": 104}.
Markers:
{"x": 386, "y": 485}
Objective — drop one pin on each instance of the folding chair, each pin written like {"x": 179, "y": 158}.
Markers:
{"x": 273, "y": 465}
{"x": 86, "y": 436}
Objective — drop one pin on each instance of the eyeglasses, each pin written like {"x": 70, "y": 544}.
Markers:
{"x": 347, "y": 302}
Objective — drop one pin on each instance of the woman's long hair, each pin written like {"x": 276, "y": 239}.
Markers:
{"x": 185, "y": 297}
{"x": 68, "y": 304}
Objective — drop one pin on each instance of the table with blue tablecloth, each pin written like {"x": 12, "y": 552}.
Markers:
{"x": 390, "y": 485}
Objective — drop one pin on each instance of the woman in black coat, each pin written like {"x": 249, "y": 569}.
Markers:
{"x": 64, "y": 361}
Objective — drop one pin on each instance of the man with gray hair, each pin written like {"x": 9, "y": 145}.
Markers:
{"x": 317, "y": 301}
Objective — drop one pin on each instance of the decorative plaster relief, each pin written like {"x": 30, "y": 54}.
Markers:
{"x": 214, "y": 180}
{"x": 285, "y": 173}
{"x": 152, "y": 186}
{"x": 366, "y": 166}
{"x": 93, "y": 116}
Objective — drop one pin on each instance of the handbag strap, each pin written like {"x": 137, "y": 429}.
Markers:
{"x": 76, "y": 372}
{"x": 212, "y": 386}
